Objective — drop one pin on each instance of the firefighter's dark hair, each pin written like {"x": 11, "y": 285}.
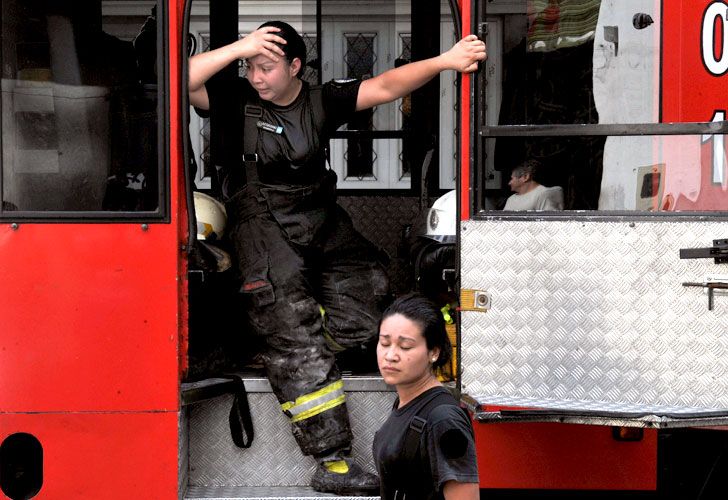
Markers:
{"x": 295, "y": 46}
{"x": 428, "y": 316}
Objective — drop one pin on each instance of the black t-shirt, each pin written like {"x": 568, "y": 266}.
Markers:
{"x": 447, "y": 447}
{"x": 296, "y": 155}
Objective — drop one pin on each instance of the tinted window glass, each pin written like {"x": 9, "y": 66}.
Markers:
{"x": 79, "y": 108}
{"x": 673, "y": 173}
{"x": 619, "y": 67}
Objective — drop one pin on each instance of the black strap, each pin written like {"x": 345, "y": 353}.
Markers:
{"x": 411, "y": 451}
{"x": 419, "y": 421}
{"x": 241, "y": 422}
{"x": 252, "y": 114}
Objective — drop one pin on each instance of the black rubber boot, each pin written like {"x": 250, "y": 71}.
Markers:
{"x": 355, "y": 482}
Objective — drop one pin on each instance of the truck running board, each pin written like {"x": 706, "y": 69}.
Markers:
{"x": 256, "y": 493}
{"x": 498, "y": 409}
{"x": 213, "y": 467}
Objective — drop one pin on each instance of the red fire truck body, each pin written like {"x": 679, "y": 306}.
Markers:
{"x": 94, "y": 305}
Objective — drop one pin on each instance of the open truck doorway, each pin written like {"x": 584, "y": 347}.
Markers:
{"x": 379, "y": 158}
{"x": 386, "y": 164}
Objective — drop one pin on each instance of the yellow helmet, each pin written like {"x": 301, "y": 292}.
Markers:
{"x": 211, "y": 217}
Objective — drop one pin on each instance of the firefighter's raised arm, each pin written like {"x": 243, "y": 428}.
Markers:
{"x": 203, "y": 66}
{"x": 398, "y": 82}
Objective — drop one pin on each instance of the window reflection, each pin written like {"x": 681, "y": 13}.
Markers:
{"x": 597, "y": 62}
{"x": 646, "y": 173}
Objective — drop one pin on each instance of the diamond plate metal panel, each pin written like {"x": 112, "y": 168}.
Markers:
{"x": 594, "y": 311}
{"x": 274, "y": 459}
{"x": 183, "y": 463}
{"x": 381, "y": 219}
{"x": 251, "y": 493}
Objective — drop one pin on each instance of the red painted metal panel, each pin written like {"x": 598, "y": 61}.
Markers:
{"x": 100, "y": 456}
{"x": 465, "y": 124}
{"x": 689, "y": 90}
{"x": 564, "y": 457}
{"x": 89, "y": 317}
{"x": 90, "y": 313}
{"x": 92, "y": 320}
{"x": 179, "y": 206}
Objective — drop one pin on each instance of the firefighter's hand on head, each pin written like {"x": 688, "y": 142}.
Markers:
{"x": 465, "y": 55}
{"x": 263, "y": 41}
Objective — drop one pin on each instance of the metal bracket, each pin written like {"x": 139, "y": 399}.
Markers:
{"x": 711, "y": 286}
{"x": 474, "y": 300}
{"x": 719, "y": 252}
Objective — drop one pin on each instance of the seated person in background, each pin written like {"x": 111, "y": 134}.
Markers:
{"x": 529, "y": 194}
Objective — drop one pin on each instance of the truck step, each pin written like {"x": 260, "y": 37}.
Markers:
{"x": 274, "y": 460}
{"x": 255, "y": 493}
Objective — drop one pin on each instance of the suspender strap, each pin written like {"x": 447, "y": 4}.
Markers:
{"x": 418, "y": 423}
{"x": 411, "y": 452}
{"x": 250, "y": 140}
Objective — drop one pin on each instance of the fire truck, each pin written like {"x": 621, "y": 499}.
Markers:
{"x": 591, "y": 345}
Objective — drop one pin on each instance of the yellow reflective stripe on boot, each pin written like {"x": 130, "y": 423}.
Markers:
{"x": 308, "y": 405}
{"x": 337, "y": 466}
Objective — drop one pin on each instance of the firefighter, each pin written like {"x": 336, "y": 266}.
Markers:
{"x": 312, "y": 285}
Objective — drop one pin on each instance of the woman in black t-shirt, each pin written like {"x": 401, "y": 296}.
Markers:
{"x": 425, "y": 449}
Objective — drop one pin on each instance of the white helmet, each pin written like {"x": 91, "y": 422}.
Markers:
{"x": 442, "y": 218}
{"x": 211, "y": 217}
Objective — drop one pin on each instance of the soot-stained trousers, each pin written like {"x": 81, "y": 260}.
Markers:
{"x": 311, "y": 283}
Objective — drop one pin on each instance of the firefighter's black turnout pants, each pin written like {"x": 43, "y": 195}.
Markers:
{"x": 298, "y": 252}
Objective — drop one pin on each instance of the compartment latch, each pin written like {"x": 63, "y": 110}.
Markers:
{"x": 719, "y": 252}
{"x": 711, "y": 287}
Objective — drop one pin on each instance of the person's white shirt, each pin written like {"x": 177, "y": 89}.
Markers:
{"x": 539, "y": 198}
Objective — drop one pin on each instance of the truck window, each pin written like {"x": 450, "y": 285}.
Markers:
{"x": 600, "y": 101}
{"x": 80, "y": 128}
